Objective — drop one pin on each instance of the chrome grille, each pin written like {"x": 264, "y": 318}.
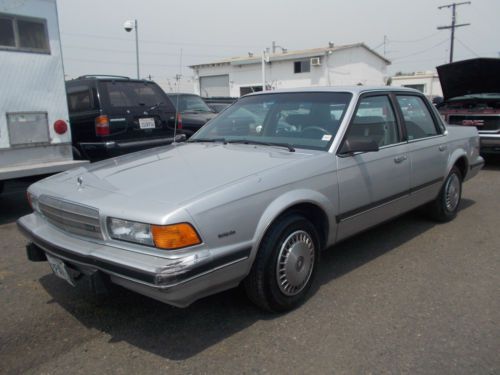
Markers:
{"x": 71, "y": 217}
{"x": 490, "y": 123}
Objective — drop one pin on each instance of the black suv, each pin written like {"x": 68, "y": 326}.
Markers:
{"x": 112, "y": 115}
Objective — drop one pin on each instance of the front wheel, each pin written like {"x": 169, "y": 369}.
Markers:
{"x": 445, "y": 207}
{"x": 285, "y": 265}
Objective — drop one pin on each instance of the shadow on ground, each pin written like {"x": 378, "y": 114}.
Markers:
{"x": 492, "y": 162}
{"x": 178, "y": 334}
{"x": 13, "y": 202}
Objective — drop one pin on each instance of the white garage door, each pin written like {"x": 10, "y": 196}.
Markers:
{"x": 214, "y": 86}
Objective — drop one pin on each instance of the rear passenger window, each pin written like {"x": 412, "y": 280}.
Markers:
{"x": 79, "y": 101}
{"x": 418, "y": 120}
{"x": 375, "y": 119}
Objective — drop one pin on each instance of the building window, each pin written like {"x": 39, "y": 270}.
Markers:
{"x": 419, "y": 87}
{"x": 23, "y": 34}
{"x": 302, "y": 66}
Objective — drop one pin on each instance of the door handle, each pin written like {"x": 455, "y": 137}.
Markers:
{"x": 443, "y": 148}
{"x": 400, "y": 159}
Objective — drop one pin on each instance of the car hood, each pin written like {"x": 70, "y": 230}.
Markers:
{"x": 177, "y": 174}
{"x": 474, "y": 76}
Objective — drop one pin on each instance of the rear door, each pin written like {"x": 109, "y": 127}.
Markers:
{"x": 373, "y": 185}
{"x": 427, "y": 148}
{"x": 136, "y": 109}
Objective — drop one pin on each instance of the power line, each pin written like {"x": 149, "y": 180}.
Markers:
{"x": 453, "y": 25}
{"x": 115, "y": 63}
{"x": 142, "y": 52}
{"x": 414, "y": 40}
{"x": 421, "y": 51}
{"x": 85, "y": 35}
{"x": 468, "y": 48}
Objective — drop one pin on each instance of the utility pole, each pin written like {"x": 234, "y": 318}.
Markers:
{"x": 264, "y": 60}
{"x": 385, "y": 43}
{"x": 453, "y": 25}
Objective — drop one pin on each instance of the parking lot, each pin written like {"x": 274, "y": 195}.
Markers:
{"x": 410, "y": 296}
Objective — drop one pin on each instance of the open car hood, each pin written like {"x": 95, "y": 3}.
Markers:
{"x": 474, "y": 76}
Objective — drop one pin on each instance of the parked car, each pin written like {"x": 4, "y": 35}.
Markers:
{"x": 471, "y": 91}
{"x": 218, "y": 104}
{"x": 113, "y": 115}
{"x": 193, "y": 112}
{"x": 249, "y": 200}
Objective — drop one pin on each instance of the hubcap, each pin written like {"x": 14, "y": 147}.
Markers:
{"x": 295, "y": 263}
{"x": 452, "y": 192}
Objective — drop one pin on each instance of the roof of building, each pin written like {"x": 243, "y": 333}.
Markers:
{"x": 288, "y": 55}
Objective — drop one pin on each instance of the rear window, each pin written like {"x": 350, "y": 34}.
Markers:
{"x": 120, "y": 94}
{"x": 189, "y": 103}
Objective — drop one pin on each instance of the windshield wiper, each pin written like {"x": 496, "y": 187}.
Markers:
{"x": 223, "y": 140}
{"x": 196, "y": 110}
{"x": 252, "y": 142}
{"x": 157, "y": 105}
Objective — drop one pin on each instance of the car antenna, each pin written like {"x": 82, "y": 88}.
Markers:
{"x": 178, "y": 79}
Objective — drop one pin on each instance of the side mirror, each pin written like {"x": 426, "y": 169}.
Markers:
{"x": 352, "y": 145}
{"x": 180, "y": 138}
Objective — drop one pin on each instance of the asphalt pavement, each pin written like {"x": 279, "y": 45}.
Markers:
{"x": 407, "y": 297}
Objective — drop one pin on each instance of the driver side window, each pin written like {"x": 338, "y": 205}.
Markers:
{"x": 374, "y": 119}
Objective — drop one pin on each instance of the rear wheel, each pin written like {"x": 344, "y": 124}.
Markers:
{"x": 285, "y": 265}
{"x": 445, "y": 207}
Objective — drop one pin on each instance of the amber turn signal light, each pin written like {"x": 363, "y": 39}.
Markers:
{"x": 175, "y": 236}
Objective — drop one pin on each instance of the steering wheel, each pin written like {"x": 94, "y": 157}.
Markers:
{"x": 314, "y": 130}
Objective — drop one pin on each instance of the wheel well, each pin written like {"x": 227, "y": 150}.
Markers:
{"x": 315, "y": 215}
{"x": 461, "y": 164}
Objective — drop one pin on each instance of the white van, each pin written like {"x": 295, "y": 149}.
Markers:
{"x": 35, "y": 136}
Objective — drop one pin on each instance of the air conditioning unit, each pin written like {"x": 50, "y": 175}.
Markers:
{"x": 316, "y": 61}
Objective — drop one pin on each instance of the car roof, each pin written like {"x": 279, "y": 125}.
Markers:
{"x": 350, "y": 89}
{"x": 99, "y": 77}
{"x": 181, "y": 93}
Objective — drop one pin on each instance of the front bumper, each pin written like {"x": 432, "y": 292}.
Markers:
{"x": 178, "y": 280}
{"x": 490, "y": 143}
{"x": 107, "y": 149}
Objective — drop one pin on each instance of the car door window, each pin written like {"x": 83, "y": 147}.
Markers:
{"x": 418, "y": 120}
{"x": 375, "y": 119}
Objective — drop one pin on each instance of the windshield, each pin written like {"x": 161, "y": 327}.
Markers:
{"x": 304, "y": 120}
{"x": 190, "y": 103}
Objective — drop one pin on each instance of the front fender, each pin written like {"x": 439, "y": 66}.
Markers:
{"x": 285, "y": 202}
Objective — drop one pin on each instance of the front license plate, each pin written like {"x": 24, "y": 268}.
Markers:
{"x": 147, "y": 123}
{"x": 59, "y": 269}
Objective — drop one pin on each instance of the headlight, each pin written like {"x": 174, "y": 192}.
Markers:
{"x": 166, "y": 237}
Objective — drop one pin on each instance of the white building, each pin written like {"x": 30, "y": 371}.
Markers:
{"x": 330, "y": 66}
{"x": 426, "y": 82}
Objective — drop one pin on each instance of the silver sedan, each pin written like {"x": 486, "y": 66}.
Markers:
{"x": 253, "y": 197}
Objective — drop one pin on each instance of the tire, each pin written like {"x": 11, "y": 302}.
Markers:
{"x": 445, "y": 207}
{"x": 290, "y": 252}
{"x": 1, "y": 187}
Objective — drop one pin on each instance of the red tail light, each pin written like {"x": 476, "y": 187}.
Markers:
{"x": 60, "y": 127}
{"x": 102, "y": 125}
{"x": 179, "y": 121}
